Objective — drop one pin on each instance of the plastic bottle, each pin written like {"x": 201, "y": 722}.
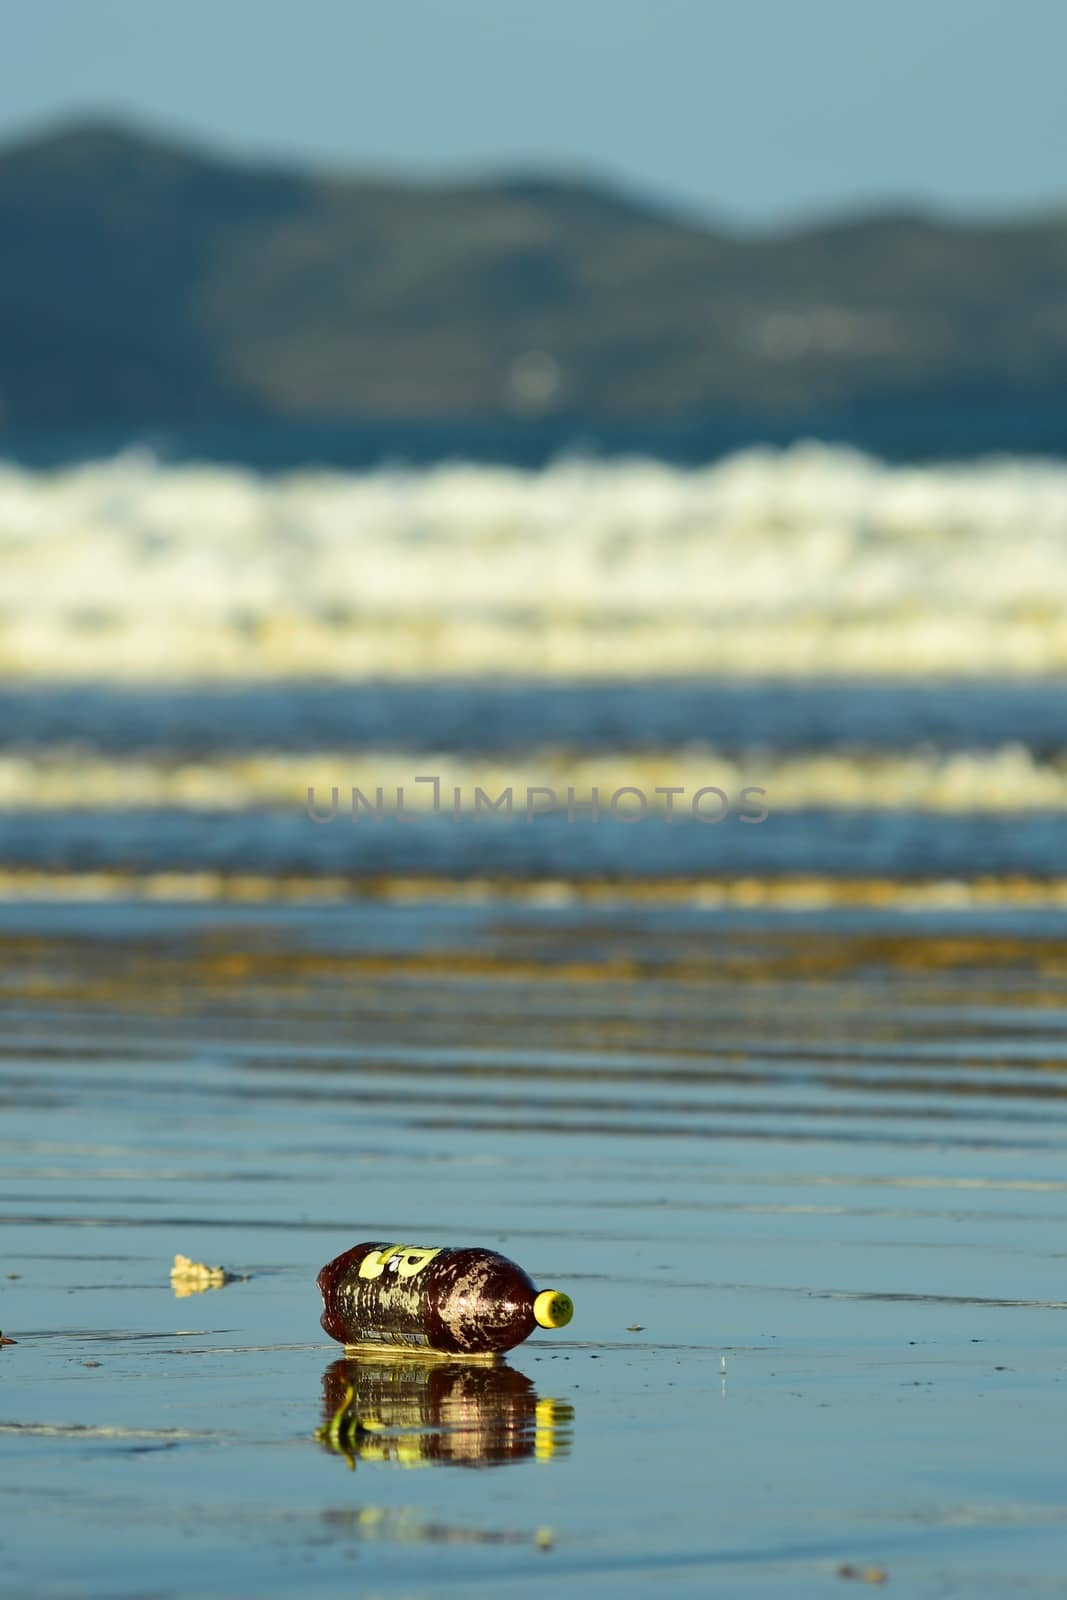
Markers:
{"x": 462, "y": 1302}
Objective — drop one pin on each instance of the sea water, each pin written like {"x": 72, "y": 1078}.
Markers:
{"x": 779, "y": 1103}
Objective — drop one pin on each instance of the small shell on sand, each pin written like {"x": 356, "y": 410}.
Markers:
{"x": 193, "y": 1277}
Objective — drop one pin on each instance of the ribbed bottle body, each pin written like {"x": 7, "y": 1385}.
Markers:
{"x": 461, "y": 1301}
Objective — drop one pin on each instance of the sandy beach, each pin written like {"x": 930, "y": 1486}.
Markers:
{"x": 800, "y": 1170}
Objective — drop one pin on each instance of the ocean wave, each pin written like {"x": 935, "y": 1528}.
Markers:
{"x": 802, "y": 894}
{"x": 1009, "y": 779}
{"x": 809, "y": 561}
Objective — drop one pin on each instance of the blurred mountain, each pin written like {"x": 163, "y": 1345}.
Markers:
{"x": 143, "y": 281}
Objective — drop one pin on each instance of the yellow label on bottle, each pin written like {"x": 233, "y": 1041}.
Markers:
{"x": 403, "y": 1259}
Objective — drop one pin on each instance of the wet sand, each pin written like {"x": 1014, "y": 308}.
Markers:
{"x": 821, "y": 1149}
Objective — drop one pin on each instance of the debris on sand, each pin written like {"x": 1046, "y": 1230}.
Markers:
{"x": 193, "y": 1277}
{"x": 869, "y": 1574}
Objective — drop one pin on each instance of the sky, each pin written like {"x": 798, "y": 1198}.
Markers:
{"x": 750, "y": 111}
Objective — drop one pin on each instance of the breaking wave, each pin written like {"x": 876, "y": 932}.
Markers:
{"x": 810, "y": 561}
{"x": 1009, "y": 779}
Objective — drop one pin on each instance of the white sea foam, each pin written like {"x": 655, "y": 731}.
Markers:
{"x": 812, "y": 560}
{"x": 1009, "y": 779}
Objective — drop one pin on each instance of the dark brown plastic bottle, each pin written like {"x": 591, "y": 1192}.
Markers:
{"x": 462, "y": 1302}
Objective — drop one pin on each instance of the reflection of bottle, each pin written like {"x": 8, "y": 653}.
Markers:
{"x": 464, "y": 1302}
{"x": 445, "y": 1413}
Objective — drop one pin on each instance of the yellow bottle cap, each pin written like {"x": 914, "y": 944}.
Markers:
{"x": 552, "y": 1309}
